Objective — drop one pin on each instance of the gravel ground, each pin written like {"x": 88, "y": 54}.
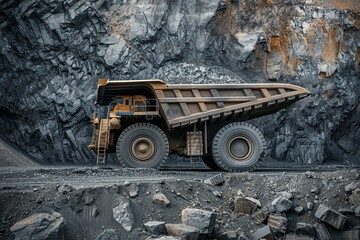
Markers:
{"x": 67, "y": 190}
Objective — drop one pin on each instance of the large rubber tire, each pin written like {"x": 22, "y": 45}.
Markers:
{"x": 142, "y": 145}
{"x": 238, "y": 147}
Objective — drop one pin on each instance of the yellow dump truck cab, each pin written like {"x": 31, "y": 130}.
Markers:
{"x": 148, "y": 119}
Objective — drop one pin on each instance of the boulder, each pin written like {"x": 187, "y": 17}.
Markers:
{"x": 350, "y": 235}
{"x": 355, "y": 197}
{"x": 321, "y": 232}
{"x": 262, "y": 214}
{"x": 357, "y": 211}
{"x": 278, "y": 223}
{"x": 243, "y": 205}
{"x": 263, "y": 233}
{"x": 305, "y": 229}
{"x": 183, "y": 231}
{"x": 203, "y": 220}
{"x": 297, "y": 237}
{"x": 122, "y": 214}
{"x": 108, "y": 234}
{"x": 281, "y": 204}
{"x": 155, "y": 227}
{"x": 215, "y": 180}
{"x": 40, "y": 226}
{"x": 351, "y": 187}
{"x": 161, "y": 199}
{"x": 335, "y": 219}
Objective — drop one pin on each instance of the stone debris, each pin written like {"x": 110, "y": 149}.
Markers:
{"x": 305, "y": 229}
{"x": 215, "y": 180}
{"x": 262, "y": 214}
{"x": 350, "y": 235}
{"x": 161, "y": 199}
{"x": 278, "y": 223}
{"x": 285, "y": 194}
{"x": 309, "y": 205}
{"x": 202, "y": 220}
{"x": 299, "y": 210}
{"x": 133, "y": 191}
{"x": 309, "y": 174}
{"x": 257, "y": 202}
{"x": 346, "y": 211}
{"x": 65, "y": 189}
{"x": 327, "y": 215}
{"x": 357, "y": 211}
{"x": 230, "y": 235}
{"x": 183, "y": 231}
{"x": 352, "y": 186}
{"x": 355, "y": 197}
{"x": 281, "y": 204}
{"x": 217, "y": 194}
{"x": 263, "y": 233}
{"x": 108, "y": 234}
{"x": 297, "y": 237}
{"x": 315, "y": 190}
{"x": 40, "y": 226}
{"x": 122, "y": 214}
{"x": 321, "y": 232}
{"x": 165, "y": 238}
{"x": 243, "y": 205}
{"x": 155, "y": 227}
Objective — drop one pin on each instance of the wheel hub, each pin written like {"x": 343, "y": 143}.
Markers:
{"x": 142, "y": 148}
{"x": 240, "y": 148}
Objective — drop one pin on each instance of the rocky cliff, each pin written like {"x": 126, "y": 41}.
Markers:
{"x": 52, "y": 51}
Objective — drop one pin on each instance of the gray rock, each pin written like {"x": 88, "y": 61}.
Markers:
{"x": 263, "y": 233}
{"x": 108, "y": 234}
{"x": 281, "y": 204}
{"x": 321, "y": 231}
{"x": 65, "y": 189}
{"x": 133, "y": 191}
{"x": 315, "y": 190}
{"x": 256, "y": 201}
{"x": 217, "y": 194}
{"x": 355, "y": 197}
{"x": 298, "y": 237}
{"x": 229, "y": 235}
{"x": 40, "y": 226}
{"x": 165, "y": 238}
{"x": 202, "y": 220}
{"x": 278, "y": 223}
{"x": 160, "y": 199}
{"x": 330, "y": 216}
{"x": 155, "y": 227}
{"x": 345, "y": 211}
{"x": 350, "y": 234}
{"x": 184, "y": 231}
{"x": 352, "y": 186}
{"x": 243, "y": 205}
{"x": 123, "y": 215}
{"x": 262, "y": 214}
{"x": 305, "y": 229}
{"x": 285, "y": 194}
{"x": 215, "y": 180}
{"x": 299, "y": 210}
{"x": 357, "y": 211}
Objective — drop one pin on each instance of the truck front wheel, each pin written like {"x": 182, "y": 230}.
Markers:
{"x": 238, "y": 146}
{"x": 142, "y": 145}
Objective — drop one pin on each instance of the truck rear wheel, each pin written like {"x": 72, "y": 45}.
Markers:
{"x": 238, "y": 146}
{"x": 142, "y": 145}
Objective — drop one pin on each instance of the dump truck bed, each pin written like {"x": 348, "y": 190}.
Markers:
{"x": 183, "y": 104}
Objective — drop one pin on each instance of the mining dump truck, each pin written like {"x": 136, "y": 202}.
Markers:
{"x": 143, "y": 121}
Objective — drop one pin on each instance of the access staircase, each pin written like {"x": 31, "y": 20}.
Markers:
{"x": 100, "y": 137}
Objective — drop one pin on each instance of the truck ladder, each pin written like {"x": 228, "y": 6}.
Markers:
{"x": 103, "y": 140}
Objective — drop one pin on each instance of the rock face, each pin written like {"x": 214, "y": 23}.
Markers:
{"x": 51, "y": 52}
{"x": 40, "y": 226}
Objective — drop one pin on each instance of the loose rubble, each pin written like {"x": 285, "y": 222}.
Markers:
{"x": 252, "y": 206}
